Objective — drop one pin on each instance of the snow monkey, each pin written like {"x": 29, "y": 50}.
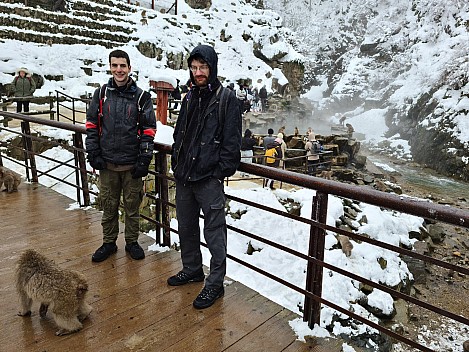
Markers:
{"x": 10, "y": 179}
{"x": 62, "y": 291}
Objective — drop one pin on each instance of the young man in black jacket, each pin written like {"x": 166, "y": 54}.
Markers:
{"x": 206, "y": 149}
{"x": 120, "y": 128}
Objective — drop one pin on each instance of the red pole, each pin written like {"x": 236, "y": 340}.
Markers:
{"x": 162, "y": 92}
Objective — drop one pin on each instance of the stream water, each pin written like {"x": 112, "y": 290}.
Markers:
{"x": 425, "y": 179}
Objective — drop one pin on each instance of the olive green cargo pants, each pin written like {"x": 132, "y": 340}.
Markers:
{"x": 112, "y": 185}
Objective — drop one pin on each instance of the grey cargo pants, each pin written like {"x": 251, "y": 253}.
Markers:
{"x": 209, "y": 196}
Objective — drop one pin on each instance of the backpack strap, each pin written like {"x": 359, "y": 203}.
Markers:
{"x": 142, "y": 99}
{"x": 140, "y": 104}
{"x": 102, "y": 97}
{"x": 222, "y": 99}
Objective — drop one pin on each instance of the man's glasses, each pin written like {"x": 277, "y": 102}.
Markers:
{"x": 203, "y": 68}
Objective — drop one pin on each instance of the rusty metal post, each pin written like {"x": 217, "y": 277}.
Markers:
{"x": 58, "y": 112}
{"x": 51, "y": 106}
{"x": 162, "y": 92}
{"x": 81, "y": 172}
{"x": 314, "y": 272}
{"x": 164, "y": 197}
{"x": 158, "y": 189}
{"x": 28, "y": 151}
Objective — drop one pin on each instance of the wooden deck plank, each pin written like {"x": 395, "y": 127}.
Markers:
{"x": 133, "y": 306}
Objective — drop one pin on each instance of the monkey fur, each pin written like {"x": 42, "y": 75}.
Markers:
{"x": 61, "y": 291}
{"x": 10, "y": 179}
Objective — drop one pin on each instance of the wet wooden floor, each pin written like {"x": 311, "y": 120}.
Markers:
{"x": 134, "y": 308}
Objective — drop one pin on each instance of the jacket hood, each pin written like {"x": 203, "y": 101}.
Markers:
{"x": 247, "y": 133}
{"x": 24, "y": 69}
{"x": 208, "y": 54}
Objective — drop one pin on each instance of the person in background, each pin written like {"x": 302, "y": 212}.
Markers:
{"x": 176, "y": 94}
{"x": 247, "y": 148}
{"x": 256, "y": 100}
{"x": 342, "y": 120}
{"x": 350, "y": 130}
{"x": 242, "y": 96}
{"x": 263, "y": 97}
{"x": 312, "y": 156}
{"x": 283, "y": 146}
{"x": 23, "y": 85}
{"x": 206, "y": 149}
{"x": 269, "y": 138}
{"x": 273, "y": 155}
{"x": 308, "y": 131}
{"x": 119, "y": 143}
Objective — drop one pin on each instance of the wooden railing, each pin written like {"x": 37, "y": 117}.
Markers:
{"x": 314, "y": 258}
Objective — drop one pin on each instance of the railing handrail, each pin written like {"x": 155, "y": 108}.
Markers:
{"x": 413, "y": 206}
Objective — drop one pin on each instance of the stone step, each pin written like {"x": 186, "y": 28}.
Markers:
{"x": 86, "y": 26}
{"x": 52, "y": 29}
{"x": 50, "y": 39}
{"x": 114, "y": 4}
{"x": 84, "y": 19}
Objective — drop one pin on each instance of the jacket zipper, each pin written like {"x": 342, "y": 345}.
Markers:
{"x": 198, "y": 131}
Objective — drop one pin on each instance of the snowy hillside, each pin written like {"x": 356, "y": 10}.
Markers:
{"x": 404, "y": 61}
{"x": 243, "y": 26}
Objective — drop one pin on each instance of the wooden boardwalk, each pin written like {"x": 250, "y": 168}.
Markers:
{"x": 134, "y": 308}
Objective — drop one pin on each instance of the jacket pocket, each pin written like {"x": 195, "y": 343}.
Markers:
{"x": 208, "y": 157}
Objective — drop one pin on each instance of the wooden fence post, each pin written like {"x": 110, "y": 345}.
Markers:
{"x": 162, "y": 92}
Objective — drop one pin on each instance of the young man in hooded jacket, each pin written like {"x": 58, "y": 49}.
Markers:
{"x": 120, "y": 128}
{"x": 206, "y": 149}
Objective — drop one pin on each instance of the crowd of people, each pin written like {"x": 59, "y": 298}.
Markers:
{"x": 251, "y": 98}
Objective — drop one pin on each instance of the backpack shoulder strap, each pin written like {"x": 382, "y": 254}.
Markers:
{"x": 142, "y": 99}
{"x": 222, "y": 98}
{"x": 102, "y": 97}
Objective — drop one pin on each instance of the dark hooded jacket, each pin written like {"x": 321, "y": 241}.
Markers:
{"x": 248, "y": 143}
{"x": 206, "y": 144}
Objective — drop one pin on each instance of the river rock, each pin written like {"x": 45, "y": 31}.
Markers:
{"x": 436, "y": 233}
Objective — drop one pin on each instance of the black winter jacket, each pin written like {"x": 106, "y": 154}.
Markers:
{"x": 208, "y": 146}
{"x": 119, "y": 142}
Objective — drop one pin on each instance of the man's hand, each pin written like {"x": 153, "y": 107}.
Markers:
{"x": 141, "y": 168}
{"x": 96, "y": 161}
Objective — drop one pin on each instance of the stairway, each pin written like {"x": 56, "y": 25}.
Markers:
{"x": 99, "y": 22}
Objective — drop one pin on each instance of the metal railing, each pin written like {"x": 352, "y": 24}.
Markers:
{"x": 68, "y": 103}
{"x": 314, "y": 258}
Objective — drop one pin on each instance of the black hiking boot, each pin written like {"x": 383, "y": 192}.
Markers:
{"x": 103, "y": 252}
{"x": 207, "y": 297}
{"x": 135, "y": 250}
{"x": 181, "y": 278}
